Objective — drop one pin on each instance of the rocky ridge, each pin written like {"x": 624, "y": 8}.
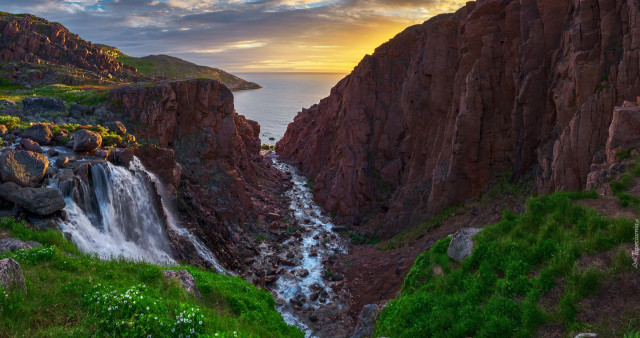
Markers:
{"x": 429, "y": 120}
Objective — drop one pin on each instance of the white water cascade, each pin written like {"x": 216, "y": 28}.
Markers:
{"x": 123, "y": 212}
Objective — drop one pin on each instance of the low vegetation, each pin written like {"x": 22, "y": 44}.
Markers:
{"x": 84, "y": 94}
{"x": 497, "y": 291}
{"x": 73, "y": 294}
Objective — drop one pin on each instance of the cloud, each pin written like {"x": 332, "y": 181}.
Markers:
{"x": 240, "y": 35}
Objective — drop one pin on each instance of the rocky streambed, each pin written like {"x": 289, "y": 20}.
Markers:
{"x": 297, "y": 264}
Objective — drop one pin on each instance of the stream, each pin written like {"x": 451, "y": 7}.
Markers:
{"x": 306, "y": 290}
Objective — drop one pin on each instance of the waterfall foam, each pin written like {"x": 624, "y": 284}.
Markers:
{"x": 123, "y": 212}
{"x": 115, "y": 214}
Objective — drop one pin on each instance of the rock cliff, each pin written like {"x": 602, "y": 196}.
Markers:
{"x": 435, "y": 114}
{"x": 222, "y": 182}
{"x": 34, "y": 47}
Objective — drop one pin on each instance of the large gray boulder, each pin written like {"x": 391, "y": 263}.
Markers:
{"x": 116, "y": 127}
{"x": 25, "y": 168}
{"x": 41, "y": 104}
{"x": 366, "y": 322}
{"x": 461, "y": 244}
{"x": 41, "y": 201}
{"x": 11, "y": 277}
{"x": 86, "y": 140}
{"x": 187, "y": 281}
{"x": 39, "y": 133}
{"x": 13, "y": 244}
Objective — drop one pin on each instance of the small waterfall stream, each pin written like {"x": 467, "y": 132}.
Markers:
{"x": 123, "y": 212}
{"x": 318, "y": 241}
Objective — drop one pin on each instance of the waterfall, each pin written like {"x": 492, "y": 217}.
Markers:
{"x": 122, "y": 212}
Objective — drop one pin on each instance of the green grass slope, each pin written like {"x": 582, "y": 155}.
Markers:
{"x": 497, "y": 291}
{"x": 71, "y": 294}
{"x": 176, "y": 68}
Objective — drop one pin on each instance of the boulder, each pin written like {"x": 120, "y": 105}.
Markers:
{"x": 121, "y": 156}
{"x": 116, "y": 127}
{"x": 7, "y": 104}
{"x": 461, "y": 244}
{"x": 29, "y": 145}
{"x": 302, "y": 272}
{"x": 25, "y": 168}
{"x": 38, "y": 104}
{"x": 62, "y": 162}
{"x": 187, "y": 281}
{"x": 41, "y": 201}
{"x": 13, "y": 244}
{"x": 366, "y": 321}
{"x": 39, "y": 133}
{"x": 78, "y": 111}
{"x": 11, "y": 277}
{"x": 86, "y": 140}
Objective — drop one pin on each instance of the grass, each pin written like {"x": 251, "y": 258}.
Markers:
{"x": 409, "y": 236}
{"x": 84, "y": 94}
{"x": 626, "y": 182}
{"x": 73, "y": 294}
{"x": 496, "y": 291}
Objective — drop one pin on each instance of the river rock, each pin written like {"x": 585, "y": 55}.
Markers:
{"x": 39, "y": 133}
{"x": 461, "y": 244}
{"x": 116, "y": 127}
{"x": 366, "y": 321}
{"x": 40, "y": 104}
{"x": 62, "y": 162}
{"x": 11, "y": 277}
{"x": 86, "y": 140}
{"x": 302, "y": 272}
{"x": 187, "y": 281}
{"x": 30, "y": 145}
{"x": 42, "y": 201}
{"x": 121, "y": 156}
{"x": 25, "y": 168}
{"x": 13, "y": 244}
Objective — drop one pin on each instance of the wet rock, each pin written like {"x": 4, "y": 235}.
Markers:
{"x": 40, "y": 104}
{"x": 25, "y": 168}
{"x": 290, "y": 255}
{"x": 11, "y": 277}
{"x": 39, "y": 133}
{"x": 9, "y": 138}
{"x": 271, "y": 279}
{"x": 51, "y": 171}
{"x": 13, "y": 244}
{"x": 62, "y": 162}
{"x": 336, "y": 277}
{"x": 314, "y": 295}
{"x": 86, "y": 140}
{"x": 30, "y": 145}
{"x": 42, "y": 201}
{"x": 187, "y": 281}
{"x": 116, "y": 127}
{"x": 302, "y": 272}
{"x": 461, "y": 244}
{"x": 366, "y": 321}
{"x": 52, "y": 152}
{"x": 122, "y": 156}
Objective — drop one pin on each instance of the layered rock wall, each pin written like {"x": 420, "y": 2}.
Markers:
{"x": 525, "y": 87}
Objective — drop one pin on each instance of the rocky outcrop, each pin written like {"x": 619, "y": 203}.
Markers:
{"x": 39, "y": 104}
{"x": 22, "y": 167}
{"x": 13, "y": 244}
{"x": 428, "y": 120}
{"x": 212, "y": 167}
{"x": 42, "y": 201}
{"x": 367, "y": 321}
{"x": 116, "y": 127}
{"x": 32, "y": 40}
{"x": 461, "y": 244}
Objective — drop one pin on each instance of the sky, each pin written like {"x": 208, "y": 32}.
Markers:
{"x": 241, "y": 35}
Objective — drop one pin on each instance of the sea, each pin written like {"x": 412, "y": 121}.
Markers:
{"x": 280, "y": 99}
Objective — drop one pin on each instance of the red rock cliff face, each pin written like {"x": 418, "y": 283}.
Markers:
{"x": 218, "y": 191}
{"x": 27, "y": 38}
{"x": 526, "y": 87}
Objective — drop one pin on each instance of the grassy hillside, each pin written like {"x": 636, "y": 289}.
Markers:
{"x": 527, "y": 271}
{"x": 176, "y": 68}
{"x": 73, "y": 294}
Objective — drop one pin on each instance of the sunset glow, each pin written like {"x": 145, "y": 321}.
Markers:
{"x": 241, "y": 35}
